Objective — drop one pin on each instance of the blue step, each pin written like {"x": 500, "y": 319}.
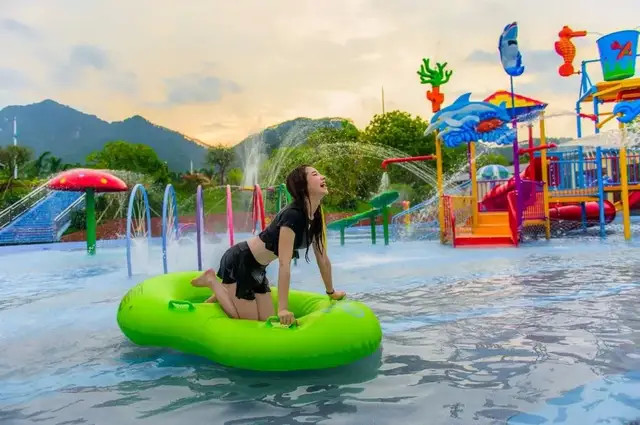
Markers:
{"x": 38, "y": 224}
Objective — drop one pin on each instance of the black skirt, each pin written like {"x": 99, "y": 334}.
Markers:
{"x": 240, "y": 266}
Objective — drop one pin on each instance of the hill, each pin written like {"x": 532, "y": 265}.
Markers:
{"x": 71, "y": 135}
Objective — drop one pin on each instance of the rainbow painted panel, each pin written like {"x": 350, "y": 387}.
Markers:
{"x": 524, "y": 105}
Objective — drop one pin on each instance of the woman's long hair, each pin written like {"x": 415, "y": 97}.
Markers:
{"x": 297, "y": 187}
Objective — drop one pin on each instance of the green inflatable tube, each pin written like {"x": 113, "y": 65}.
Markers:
{"x": 168, "y": 311}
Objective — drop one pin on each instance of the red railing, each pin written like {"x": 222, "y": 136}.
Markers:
{"x": 533, "y": 200}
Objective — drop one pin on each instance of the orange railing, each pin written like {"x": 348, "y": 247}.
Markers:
{"x": 458, "y": 211}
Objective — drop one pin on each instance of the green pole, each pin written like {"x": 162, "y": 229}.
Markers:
{"x": 91, "y": 222}
{"x": 341, "y": 236}
{"x": 385, "y": 224}
{"x": 372, "y": 219}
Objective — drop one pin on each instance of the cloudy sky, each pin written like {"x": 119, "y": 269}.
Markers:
{"x": 220, "y": 70}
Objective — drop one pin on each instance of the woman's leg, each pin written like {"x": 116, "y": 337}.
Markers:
{"x": 206, "y": 280}
{"x": 247, "y": 309}
{"x": 265, "y": 306}
{"x": 225, "y": 298}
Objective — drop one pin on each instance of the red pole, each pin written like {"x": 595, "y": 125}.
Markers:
{"x": 407, "y": 159}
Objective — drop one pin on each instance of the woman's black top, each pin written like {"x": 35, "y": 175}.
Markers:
{"x": 294, "y": 217}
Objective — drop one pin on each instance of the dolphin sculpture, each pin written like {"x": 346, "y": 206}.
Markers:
{"x": 509, "y": 51}
{"x": 466, "y": 121}
{"x": 627, "y": 111}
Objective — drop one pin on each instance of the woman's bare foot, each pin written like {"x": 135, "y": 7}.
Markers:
{"x": 206, "y": 279}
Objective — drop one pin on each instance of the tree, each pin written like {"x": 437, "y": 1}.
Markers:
{"x": 235, "y": 176}
{"x": 400, "y": 131}
{"x": 220, "y": 158}
{"x": 121, "y": 155}
{"x": 12, "y": 156}
{"x": 493, "y": 158}
{"x": 348, "y": 133}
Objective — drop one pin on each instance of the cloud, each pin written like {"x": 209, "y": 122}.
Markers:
{"x": 192, "y": 88}
{"x": 85, "y": 59}
{"x": 88, "y": 57}
{"x": 123, "y": 82}
{"x": 482, "y": 56}
{"x": 540, "y": 73}
{"x": 11, "y": 79}
{"x": 16, "y": 27}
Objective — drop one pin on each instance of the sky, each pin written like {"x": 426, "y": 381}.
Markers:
{"x": 219, "y": 70}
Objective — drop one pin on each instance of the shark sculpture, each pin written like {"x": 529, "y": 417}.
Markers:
{"x": 467, "y": 121}
{"x": 510, "y": 55}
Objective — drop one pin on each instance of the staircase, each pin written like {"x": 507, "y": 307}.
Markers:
{"x": 41, "y": 216}
{"x": 492, "y": 230}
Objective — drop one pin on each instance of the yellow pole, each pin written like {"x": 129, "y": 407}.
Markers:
{"x": 545, "y": 178}
{"x": 624, "y": 183}
{"x": 474, "y": 185}
{"x": 606, "y": 120}
{"x": 440, "y": 187}
{"x": 407, "y": 217}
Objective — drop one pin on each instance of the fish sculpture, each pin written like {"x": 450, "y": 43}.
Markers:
{"x": 567, "y": 50}
{"x": 509, "y": 51}
{"x": 627, "y": 111}
{"x": 467, "y": 121}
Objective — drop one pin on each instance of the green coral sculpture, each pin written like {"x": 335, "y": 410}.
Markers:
{"x": 434, "y": 76}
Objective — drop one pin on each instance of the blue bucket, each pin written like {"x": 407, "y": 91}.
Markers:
{"x": 618, "y": 54}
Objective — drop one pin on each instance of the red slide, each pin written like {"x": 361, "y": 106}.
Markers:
{"x": 496, "y": 200}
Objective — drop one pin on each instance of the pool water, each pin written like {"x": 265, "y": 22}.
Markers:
{"x": 546, "y": 333}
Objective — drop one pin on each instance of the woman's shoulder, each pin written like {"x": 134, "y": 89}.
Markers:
{"x": 291, "y": 214}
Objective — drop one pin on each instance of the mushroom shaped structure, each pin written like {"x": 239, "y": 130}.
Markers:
{"x": 88, "y": 181}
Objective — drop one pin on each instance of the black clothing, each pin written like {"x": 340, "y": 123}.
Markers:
{"x": 294, "y": 217}
{"x": 240, "y": 266}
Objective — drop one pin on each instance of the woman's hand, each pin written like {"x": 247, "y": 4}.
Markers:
{"x": 286, "y": 317}
{"x": 337, "y": 295}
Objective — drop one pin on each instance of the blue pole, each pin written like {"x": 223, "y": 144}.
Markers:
{"x": 581, "y": 184}
{"x": 129, "y": 219}
{"x": 168, "y": 192}
{"x": 600, "y": 188}
{"x": 578, "y": 122}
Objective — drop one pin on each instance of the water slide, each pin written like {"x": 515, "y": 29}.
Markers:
{"x": 496, "y": 200}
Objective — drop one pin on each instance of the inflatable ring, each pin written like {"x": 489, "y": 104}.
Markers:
{"x": 168, "y": 311}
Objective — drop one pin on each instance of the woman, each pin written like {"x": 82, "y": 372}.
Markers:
{"x": 244, "y": 291}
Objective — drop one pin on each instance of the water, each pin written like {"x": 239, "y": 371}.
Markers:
{"x": 545, "y": 332}
{"x": 252, "y": 156}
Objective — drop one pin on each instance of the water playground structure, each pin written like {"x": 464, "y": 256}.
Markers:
{"x": 562, "y": 187}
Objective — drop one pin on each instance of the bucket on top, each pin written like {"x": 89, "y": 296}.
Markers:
{"x": 618, "y": 54}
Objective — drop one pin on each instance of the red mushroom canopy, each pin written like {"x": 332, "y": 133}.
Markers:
{"x": 79, "y": 179}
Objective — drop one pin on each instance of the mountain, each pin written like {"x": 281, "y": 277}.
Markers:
{"x": 287, "y": 133}
{"x": 72, "y": 135}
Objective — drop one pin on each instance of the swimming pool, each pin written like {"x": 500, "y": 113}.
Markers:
{"x": 546, "y": 332}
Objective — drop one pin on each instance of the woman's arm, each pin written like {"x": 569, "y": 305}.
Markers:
{"x": 325, "y": 271}
{"x": 325, "y": 267}
{"x": 285, "y": 253}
